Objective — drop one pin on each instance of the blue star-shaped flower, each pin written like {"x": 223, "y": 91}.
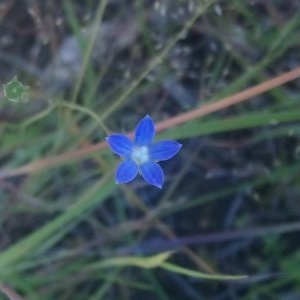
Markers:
{"x": 140, "y": 155}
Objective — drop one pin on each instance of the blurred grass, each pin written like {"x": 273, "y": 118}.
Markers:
{"x": 61, "y": 225}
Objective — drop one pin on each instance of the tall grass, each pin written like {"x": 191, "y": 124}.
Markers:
{"x": 68, "y": 232}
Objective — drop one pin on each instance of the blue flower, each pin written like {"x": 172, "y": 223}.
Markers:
{"x": 141, "y": 155}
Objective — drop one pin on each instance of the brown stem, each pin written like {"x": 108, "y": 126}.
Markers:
{"x": 182, "y": 118}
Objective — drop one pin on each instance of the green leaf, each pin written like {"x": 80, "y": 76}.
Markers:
{"x": 61, "y": 224}
{"x": 135, "y": 261}
{"x": 196, "y": 274}
{"x": 199, "y": 127}
{"x": 159, "y": 261}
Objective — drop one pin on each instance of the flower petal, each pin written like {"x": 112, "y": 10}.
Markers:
{"x": 163, "y": 150}
{"x": 152, "y": 173}
{"x": 120, "y": 144}
{"x": 126, "y": 171}
{"x": 144, "y": 131}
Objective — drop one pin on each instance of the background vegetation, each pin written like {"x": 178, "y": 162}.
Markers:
{"x": 230, "y": 202}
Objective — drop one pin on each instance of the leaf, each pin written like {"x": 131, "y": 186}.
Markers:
{"x": 135, "y": 261}
{"x": 43, "y": 237}
{"x": 196, "y": 274}
{"x": 159, "y": 261}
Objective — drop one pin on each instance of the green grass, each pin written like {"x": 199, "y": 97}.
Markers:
{"x": 70, "y": 233}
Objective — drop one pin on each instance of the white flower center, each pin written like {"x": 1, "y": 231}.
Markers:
{"x": 140, "y": 154}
